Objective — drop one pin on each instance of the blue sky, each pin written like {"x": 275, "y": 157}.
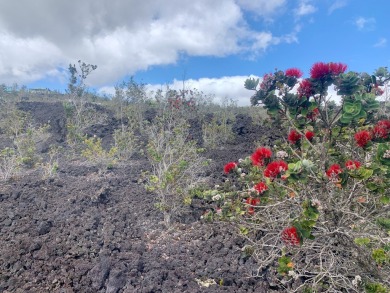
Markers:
{"x": 213, "y": 45}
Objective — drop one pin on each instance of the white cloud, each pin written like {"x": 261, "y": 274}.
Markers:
{"x": 264, "y": 8}
{"x": 366, "y": 24}
{"x": 123, "y": 36}
{"x": 382, "y": 42}
{"x": 338, "y": 4}
{"x": 231, "y": 87}
{"x": 304, "y": 8}
{"x": 27, "y": 59}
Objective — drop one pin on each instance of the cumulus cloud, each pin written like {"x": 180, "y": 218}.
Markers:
{"x": 230, "y": 87}
{"x": 123, "y": 36}
{"x": 17, "y": 64}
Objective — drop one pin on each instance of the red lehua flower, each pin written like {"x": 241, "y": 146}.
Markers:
{"x": 229, "y": 166}
{"x": 337, "y": 68}
{"x": 384, "y": 124}
{"x": 252, "y": 202}
{"x": 319, "y": 70}
{"x": 352, "y": 165}
{"x": 379, "y": 132}
{"x": 334, "y": 171}
{"x": 290, "y": 236}
{"x": 309, "y": 135}
{"x": 260, "y": 155}
{"x": 305, "y": 89}
{"x": 362, "y": 138}
{"x": 294, "y": 137}
{"x": 381, "y": 129}
{"x": 275, "y": 168}
{"x": 260, "y": 187}
{"x": 294, "y": 72}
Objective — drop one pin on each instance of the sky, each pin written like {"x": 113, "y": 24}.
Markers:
{"x": 211, "y": 45}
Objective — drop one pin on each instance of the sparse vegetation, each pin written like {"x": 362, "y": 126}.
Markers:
{"x": 311, "y": 209}
{"x": 176, "y": 164}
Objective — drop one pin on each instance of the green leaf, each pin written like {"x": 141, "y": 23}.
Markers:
{"x": 251, "y": 83}
{"x": 352, "y": 108}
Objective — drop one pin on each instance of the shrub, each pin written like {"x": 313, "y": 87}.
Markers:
{"x": 176, "y": 164}
{"x": 126, "y": 142}
{"x": 50, "y": 167}
{"x": 218, "y": 131}
{"x": 95, "y": 153}
{"x": 9, "y": 163}
{"x": 26, "y": 144}
{"x": 324, "y": 192}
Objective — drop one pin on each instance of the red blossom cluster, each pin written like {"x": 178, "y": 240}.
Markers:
{"x": 274, "y": 168}
{"x": 337, "y": 68}
{"x": 290, "y": 236}
{"x": 305, "y": 89}
{"x": 381, "y": 129}
{"x": 321, "y": 70}
{"x": 334, "y": 171}
{"x": 229, "y": 166}
{"x": 260, "y": 156}
{"x": 309, "y": 135}
{"x": 252, "y": 202}
{"x": 294, "y": 72}
{"x": 294, "y": 137}
{"x": 362, "y": 138}
{"x": 260, "y": 187}
{"x": 352, "y": 165}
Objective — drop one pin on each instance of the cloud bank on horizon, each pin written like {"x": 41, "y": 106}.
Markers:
{"x": 221, "y": 41}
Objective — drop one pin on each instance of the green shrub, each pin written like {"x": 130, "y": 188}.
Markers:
{"x": 95, "y": 153}
{"x": 176, "y": 164}
{"x": 316, "y": 196}
{"x": 26, "y": 144}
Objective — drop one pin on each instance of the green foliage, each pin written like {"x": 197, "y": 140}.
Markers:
{"x": 77, "y": 77}
{"x": 13, "y": 122}
{"x": 251, "y": 83}
{"x": 380, "y": 256}
{"x": 126, "y": 142}
{"x": 332, "y": 198}
{"x": 219, "y": 131}
{"x": 95, "y": 153}
{"x": 50, "y": 167}
{"x": 80, "y": 114}
{"x": 376, "y": 288}
{"x": 383, "y": 154}
{"x": 26, "y": 144}
{"x": 348, "y": 84}
{"x": 356, "y": 108}
{"x": 284, "y": 265}
{"x": 365, "y": 241}
{"x": 176, "y": 164}
{"x": 384, "y": 223}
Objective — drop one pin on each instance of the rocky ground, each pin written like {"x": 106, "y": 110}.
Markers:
{"x": 84, "y": 232}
